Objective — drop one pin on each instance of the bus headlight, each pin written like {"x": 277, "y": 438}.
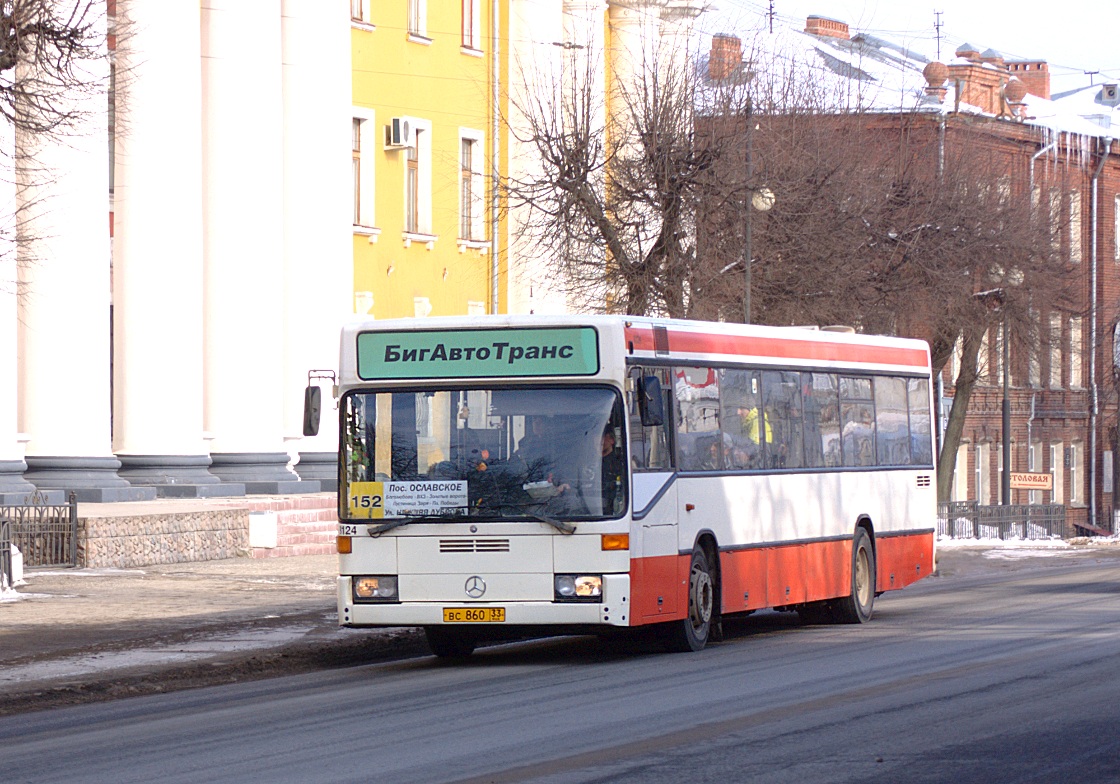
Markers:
{"x": 375, "y": 588}
{"x": 579, "y": 588}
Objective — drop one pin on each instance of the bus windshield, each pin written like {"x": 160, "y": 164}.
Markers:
{"x": 485, "y": 453}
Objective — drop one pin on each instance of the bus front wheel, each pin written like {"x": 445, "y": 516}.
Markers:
{"x": 691, "y": 634}
{"x": 449, "y": 643}
{"x": 857, "y": 606}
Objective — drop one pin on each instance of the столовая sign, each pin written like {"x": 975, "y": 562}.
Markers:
{"x": 478, "y": 353}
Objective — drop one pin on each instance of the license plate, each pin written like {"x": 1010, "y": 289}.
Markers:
{"x": 474, "y": 614}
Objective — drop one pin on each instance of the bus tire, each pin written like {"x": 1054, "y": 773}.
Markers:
{"x": 691, "y": 633}
{"x": 449, "y": 643}
{"x": 857, "y": 606}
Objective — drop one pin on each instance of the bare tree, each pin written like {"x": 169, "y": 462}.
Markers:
{"x": 613, "y": 203}
{"x": 43, "y": 46}
{"x": 46, "y": 85}
{"x": 895, "y": 224}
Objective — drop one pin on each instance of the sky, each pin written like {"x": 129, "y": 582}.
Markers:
{"x": 1073, "y": 36}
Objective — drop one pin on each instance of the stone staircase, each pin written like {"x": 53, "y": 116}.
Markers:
{"x": 303, "y": 524}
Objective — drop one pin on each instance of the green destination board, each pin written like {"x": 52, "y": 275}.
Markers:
{"x": 478, "y": 353}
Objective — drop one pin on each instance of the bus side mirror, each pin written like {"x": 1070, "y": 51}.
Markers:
{"x": 312, "y": 405}
{"x": 650, "y": 405}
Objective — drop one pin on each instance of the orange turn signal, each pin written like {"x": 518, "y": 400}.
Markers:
{"x": 344, "y": 545}
{"x": 616, "y": 541}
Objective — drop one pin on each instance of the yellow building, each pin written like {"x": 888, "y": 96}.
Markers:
{"x": 422, "y": 149}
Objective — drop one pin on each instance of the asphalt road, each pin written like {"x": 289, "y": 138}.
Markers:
{"x": 1005, "y": 674}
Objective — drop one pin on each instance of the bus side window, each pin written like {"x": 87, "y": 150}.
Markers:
{"x": 921, "y": 439}
{"x": 649, "y": 445}
{"x": 822, "y": 420}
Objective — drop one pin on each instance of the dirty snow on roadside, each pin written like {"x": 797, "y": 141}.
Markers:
{"x": 1015, "y": 548}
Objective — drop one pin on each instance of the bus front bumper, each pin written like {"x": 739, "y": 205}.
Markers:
{"x": 613, "y": 610}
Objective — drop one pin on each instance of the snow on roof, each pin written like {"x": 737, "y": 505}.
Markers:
{"x": 870, "y": 73}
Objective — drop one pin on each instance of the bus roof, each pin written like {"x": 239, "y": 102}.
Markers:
{"x": 666, "y": 340}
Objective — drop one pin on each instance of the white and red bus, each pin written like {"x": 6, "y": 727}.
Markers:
{"x": 517, "y": 475}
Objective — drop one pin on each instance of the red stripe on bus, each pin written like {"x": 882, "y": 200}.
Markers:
{"x": 774, "y": 576}
{"x": 778, "y": 348}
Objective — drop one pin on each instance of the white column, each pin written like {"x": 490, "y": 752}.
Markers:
{"x": 586, "y": 53}
{"x": 536, "y": 56}
{"x": 632, "y": 58}
{"x": 64, "y": 302}
{"x": 13, "y": 487}
{"x": 243, "y": 244}
{"x": 157, "y": 251}
{"x": 676, "y": 47}
{"x": 318, "y": 249}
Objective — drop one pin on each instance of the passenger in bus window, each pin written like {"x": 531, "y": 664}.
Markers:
{"x": 611, "y": 473}
{"x": 535, "y": 455}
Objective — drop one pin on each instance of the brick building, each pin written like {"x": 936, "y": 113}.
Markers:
{"x": 1058, "y": 151}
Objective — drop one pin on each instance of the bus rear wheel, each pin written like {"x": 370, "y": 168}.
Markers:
{"x": 449, "y": 643}
{"x": 691, "y": 634}
{"x": 857, "y": 606}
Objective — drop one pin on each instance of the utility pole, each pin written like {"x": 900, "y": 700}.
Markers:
{"x": 747, "y": 218}
{"x": 937, "y": 25}
{"x": 1005, "y": 479}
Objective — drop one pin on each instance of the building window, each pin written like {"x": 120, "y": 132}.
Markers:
{"x": 418, "y": 17}
{"x": 418, "y": 179}
{"x": 1055, "y": 350}
{"x": 983, "y": 478}
{"x": 1055, "y": 217}
{"x": 1076, "y": 458}
{"x": 1034, "y": 368}
{"x": 412, "y": 188}
{"x": 1116, "y": 228}
{"x": 1034, "y": 452}
{"x": 471, "y": 188}
{"x": 960, "y": 474}
{"x": 1057, "y": 468}
{"x": 984, "y": 359}
{"x": 357, "y": 10}
{"x": 472, "y": 23}
{"x": 1001, "y": 352}
{"x": 1075, "y": 227}
{"x": 955, "y": 361}
{"x": 1076, "y": 347}
{"x": 999, "y": 473}
{"x": 363, "y": 141}
{"x": 356, "y": 158}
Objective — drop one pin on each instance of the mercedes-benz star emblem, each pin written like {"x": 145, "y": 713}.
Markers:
{"x": 475, "y": 587}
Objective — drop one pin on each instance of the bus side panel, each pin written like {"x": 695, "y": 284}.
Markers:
{"x": 901, "y": 560}
{"x": 743, "y": 576}
{"x": 828, "y": 570}
{"x": 655, "y": 588}
{"x": 786, "y": 576}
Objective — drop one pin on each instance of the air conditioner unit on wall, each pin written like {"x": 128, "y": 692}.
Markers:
{"x": 400, "y": 133}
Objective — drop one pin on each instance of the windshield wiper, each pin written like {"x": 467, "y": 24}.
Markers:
{"x": 559, "y": 525}
{"x": 443, "y": 517}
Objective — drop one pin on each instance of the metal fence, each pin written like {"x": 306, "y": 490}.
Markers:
{"x": 46, "y": 534}
{"x": 970, "y": 520}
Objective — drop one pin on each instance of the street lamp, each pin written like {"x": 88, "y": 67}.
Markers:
{"x": 762, "y": 199}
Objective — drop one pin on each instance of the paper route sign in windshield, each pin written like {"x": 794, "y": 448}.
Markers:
{"x": 478, "y": 353}
{"x": 378, "y": 500}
